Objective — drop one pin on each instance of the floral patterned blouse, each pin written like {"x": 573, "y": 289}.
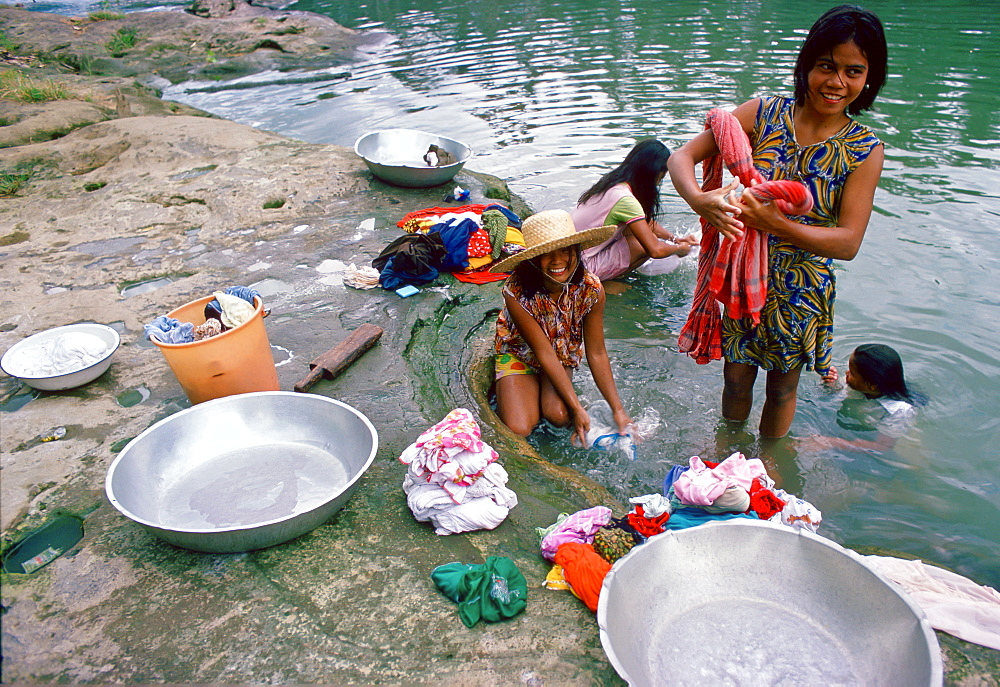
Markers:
{"x": 559, "y": 315}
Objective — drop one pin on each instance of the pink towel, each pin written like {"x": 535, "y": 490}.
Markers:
{"x": 734, "y": 273}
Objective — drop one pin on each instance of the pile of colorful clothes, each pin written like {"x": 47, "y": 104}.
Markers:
{"x": 463, "y": 240}
{"x": 453, "y": 479}
{"x": 584, "y": 545}
{"x": 229, "y": 309}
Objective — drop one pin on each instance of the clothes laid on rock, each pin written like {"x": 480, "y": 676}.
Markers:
{"x": 611, "y": 543}
{"x": 560, "y": 317}
{"x": 702, "y": 485}
{"x": 465, "y": 241}
{"x": 953, "y": 603}
{"x": 453, "y": 479}
{"x": 584, "y": 571}
{"x": 411, "y": 259}
{"x": 579, "y": 527}
{"x": 576, "y": 541}
{"x": 363, "y": 277}
{"x": 493, "y": 591}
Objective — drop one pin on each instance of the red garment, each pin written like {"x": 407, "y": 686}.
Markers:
{"x": 434, "y": 212}
{"x": 483, "y": 276}
{"x": 763, "y": 501}
{"x": 584, "y": 569}
{"x": 647, "y": 527}
{"x": 479, "y": 244}
{"x": 733, "y": 272}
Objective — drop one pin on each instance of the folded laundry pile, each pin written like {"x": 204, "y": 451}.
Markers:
{"x": 453, "y": 479}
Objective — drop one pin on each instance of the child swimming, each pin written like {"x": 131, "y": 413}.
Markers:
{"x": 875, "y": 371}
{"x": 553, "y": 312}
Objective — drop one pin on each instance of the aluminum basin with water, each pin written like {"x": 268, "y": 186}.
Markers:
{"x": 755, "y": 603}
{"x": 396, "y": 157}
{"x": 243, "y": 472}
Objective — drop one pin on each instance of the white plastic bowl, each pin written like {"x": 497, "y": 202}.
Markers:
{"x": 70, "y": 378}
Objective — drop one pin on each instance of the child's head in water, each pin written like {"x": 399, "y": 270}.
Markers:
{"x": 876, "y": 370}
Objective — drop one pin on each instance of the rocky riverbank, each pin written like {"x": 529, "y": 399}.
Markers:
{"x": 105, "y": 186}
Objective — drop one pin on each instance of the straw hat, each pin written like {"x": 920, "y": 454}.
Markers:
{"x": 549, "y": 230}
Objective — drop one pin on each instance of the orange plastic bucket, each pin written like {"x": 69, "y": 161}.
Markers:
{"x": 235, "y": 362}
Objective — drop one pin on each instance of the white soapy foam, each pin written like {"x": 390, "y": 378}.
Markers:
{"x": 58, "y": 356}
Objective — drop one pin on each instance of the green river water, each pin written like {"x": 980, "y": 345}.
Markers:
{"x": 551, "y": 94}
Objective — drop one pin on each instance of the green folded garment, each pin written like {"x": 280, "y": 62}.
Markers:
{"x": 493, "y": 591}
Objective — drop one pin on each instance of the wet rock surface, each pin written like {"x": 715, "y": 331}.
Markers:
{"x": 120, "y": 189}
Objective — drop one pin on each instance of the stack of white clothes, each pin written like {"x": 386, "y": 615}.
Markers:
{"x": 454, "y": 480}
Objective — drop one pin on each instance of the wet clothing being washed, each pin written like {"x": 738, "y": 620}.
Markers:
{"x": 796, "y": 326}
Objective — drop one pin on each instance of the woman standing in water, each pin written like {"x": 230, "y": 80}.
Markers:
{"x": 811, "y": 138}
{"x": 628, "y": 197}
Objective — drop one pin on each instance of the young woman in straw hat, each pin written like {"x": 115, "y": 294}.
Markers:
{"x": 554, "y": 312}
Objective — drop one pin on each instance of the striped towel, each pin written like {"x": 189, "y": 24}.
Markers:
{"x": 733, "y": 272}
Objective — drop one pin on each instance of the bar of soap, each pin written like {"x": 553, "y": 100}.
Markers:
{"x": 408, "y": 290}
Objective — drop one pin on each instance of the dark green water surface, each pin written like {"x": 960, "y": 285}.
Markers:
{"x": 551, "y": 94}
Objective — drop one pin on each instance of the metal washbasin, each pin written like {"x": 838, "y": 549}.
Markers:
{"x": 243, "y": 472}
{"x": 755, "y": 603}
{"x": 396, "y": 157}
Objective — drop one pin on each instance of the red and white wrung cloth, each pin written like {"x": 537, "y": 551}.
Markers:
{"x": 733, "y": 272}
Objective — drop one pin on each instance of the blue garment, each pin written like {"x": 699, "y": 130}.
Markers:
{"x": 391, "y": 279}
{"x": 245, "y": 292}
{"x": 682, "y": 518}
{"x": 455, "y": 236}
{"x": 512, "y": 219}
{"x": 672, "y": 475}
{"x": 168, "y": 330}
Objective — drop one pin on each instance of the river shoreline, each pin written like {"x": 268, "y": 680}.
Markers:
{"x": 124, "y": 188}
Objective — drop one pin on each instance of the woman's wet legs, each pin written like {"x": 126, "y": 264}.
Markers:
{"x": 737, "y": 394}
{"x": 781, "y": 395}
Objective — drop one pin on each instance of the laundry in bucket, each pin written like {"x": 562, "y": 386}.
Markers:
{"x": 229, "y": 309}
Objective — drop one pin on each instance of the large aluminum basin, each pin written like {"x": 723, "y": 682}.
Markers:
{"x": 755, "y": 603}
{"x": 396, "y": 156}
{"x": 243, "y": 472}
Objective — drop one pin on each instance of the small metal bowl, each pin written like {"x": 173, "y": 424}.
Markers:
{"x": 396, "y": 157}
{"x": 748, "y": 602}
{"x": 243, "y": 472}
{"x": 14, "y": 364}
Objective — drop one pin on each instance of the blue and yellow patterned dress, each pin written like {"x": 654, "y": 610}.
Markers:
{"x": 796, "y": 327}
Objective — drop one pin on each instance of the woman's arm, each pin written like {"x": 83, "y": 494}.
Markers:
{"x": 542, "y": 348}
{"x": 649, "y": 238}
{"x": 715, "y": 207}
{"x": 841, "y": 242}
{"x": 600, "y": 364}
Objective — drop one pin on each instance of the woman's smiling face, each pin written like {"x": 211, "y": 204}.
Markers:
{"x": 837, "y": 79}
{"x": 558, "y": 265}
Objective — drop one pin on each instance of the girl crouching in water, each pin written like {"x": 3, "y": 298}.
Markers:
{"x": 553, "y": 312}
